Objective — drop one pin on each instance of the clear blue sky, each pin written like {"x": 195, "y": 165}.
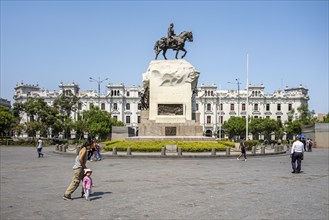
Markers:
{"x": 47, "y": 42}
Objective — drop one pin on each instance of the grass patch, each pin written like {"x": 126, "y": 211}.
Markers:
{"x": 155, "y": 146}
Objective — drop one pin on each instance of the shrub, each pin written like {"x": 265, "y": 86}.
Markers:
{"x": 155, "y": 146}
{"x": 250, "y": 143}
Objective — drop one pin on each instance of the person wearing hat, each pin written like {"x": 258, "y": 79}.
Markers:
{"x": 297, "y": 153}
{"x": 78, "y": 171}
{"x": 87, "y": 183}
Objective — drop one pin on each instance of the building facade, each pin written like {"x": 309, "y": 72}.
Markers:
{"x": 213, "y": 106}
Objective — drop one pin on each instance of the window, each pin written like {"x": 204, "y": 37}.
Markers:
{"x": 212, "y": 93}
{"x": 197, "y": 107}
{"x": 115, "y": 106}
{"x": 208, "y": 119}
{"x": 243, "y": 107}
{"x": 128, "y": 93}
{"x": 232, "y": 107}
{"x": 208, "y": 107}
{"x": 278, "y": 117}
{"x": 221, "y": 107}
{"x": 256, "y": 116}
{"x": 115, "y": 117}
{"x": 289, "y": 107}
{"x": 80, "y": 106}
{"x": 221, "y": 120}
{"x": 138, "y": 119}
{"x": 139, "y": 106}
{"x": 91, "y": 105}
{"x": 279, "y": 107}
{"x": 103, "y": 106}
{"x": 267, "y": 116}
{"x": 128, "y": 106}
{"x": 267, "y": 107}
{"x": 256, "y": 107}
{"x": 128, "y": 119}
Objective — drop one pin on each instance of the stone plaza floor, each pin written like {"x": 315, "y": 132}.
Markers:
{"x": 164, "y": 188}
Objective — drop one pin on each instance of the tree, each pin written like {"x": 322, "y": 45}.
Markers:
{"x": 256, "y": 127}
{"x": 7, "y": 120}
{"x": 38, "y": 111}
{"x": 99, "y": 122}
{"x": 293, "y": 128}
{"x": 65, "y": 104}
{"x": 269, "y": 126}
{"x": 306, "y": 116}
{"x": 235, "y": 126}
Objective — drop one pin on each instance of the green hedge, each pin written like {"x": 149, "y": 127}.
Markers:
{"x": 155, "y": 146}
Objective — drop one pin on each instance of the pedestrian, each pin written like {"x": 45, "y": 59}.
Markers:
{"x": 87, "y": 184}
{"x": 78, "y": 171}
{"x": 310, "y": 145}
{"x": 98, "y": 150}
{"x": 91, "y": 152}
{"x": 243, "y": 150}
{"x": 304, "y": 142}
{"x": 39, "y": 148}
{"x": 297, "y": 155}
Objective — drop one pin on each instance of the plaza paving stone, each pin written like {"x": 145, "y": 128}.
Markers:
{"x": 164, "y": 188}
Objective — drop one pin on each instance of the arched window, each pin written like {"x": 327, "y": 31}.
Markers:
{"x": 208, "y": 107}
{"x": 115, "y": 106}
{"x": 128, "y": 106}
{"x": 103, "y": 106}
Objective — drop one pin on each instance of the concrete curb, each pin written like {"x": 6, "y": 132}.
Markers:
{"x": 186, "y": 155}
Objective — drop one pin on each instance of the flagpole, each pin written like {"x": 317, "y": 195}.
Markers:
{"x": 247, "y": 115}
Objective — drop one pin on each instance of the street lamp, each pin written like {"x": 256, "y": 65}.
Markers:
{"x": 99, "y": 87}
{"x": 238, "y": 83}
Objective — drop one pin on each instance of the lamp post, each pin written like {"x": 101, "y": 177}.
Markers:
{"x": 238, "y": 83}
{"x": 99, "y": 87}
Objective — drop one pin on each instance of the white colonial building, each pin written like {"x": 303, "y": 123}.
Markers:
{"x": 212, "y": 105}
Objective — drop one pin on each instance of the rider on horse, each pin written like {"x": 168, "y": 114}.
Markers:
{"x": 170, "y": 35}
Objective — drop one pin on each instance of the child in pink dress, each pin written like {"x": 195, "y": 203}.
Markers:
{"x": 87, "y": 184}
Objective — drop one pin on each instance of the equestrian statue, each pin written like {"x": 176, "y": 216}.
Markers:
{"x": 172, "y": 41}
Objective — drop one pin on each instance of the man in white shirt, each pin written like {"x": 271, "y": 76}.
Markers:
{"x": 297, "y": 153}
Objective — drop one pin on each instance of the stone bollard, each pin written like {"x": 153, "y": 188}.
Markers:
{"x": 57, "y": 147}
{"x": 65, "y": 147}
{"x": 262, "y": 150}
{"x": 228, "y": 151}
{"x": 163, "y": 151}
{"x": 253, "y": 150}
{"x": 114, "y": 151}
{"x": 61, "y": 147}
{"x": 213, "y": 151}
{"x": 129, "y": 151}
{"x": 180, "y": 151}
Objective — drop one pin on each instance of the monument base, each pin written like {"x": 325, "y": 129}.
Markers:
{"x": 152, "y": 128}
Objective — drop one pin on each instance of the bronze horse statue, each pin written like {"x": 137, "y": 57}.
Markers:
{"x": 177, "y": 43}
